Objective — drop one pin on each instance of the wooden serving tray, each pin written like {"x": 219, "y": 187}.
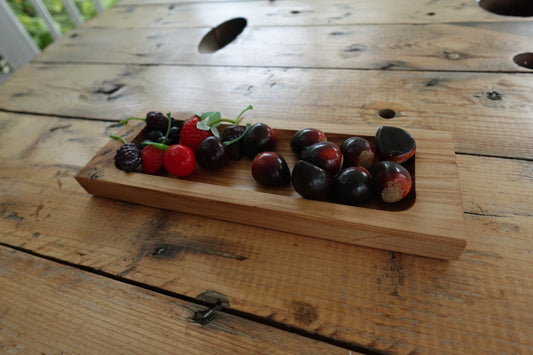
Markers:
{"x": 429, "y": 222}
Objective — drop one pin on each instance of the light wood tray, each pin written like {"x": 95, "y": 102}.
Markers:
{"x": 429, "y": 222}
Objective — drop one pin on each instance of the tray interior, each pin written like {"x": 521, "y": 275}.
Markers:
{"x": 428, "y": 222}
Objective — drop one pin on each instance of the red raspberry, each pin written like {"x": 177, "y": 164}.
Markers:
{"x": 190, "y": 135}
{"x": 152, "y": 159}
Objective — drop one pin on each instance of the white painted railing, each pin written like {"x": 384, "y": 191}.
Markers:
{"x": 16, "y": 46}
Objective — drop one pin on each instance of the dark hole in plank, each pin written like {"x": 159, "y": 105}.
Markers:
{"x": 524, "y": 60}
{"x": 521, "y": 8}
{"x": 222, "y": 35}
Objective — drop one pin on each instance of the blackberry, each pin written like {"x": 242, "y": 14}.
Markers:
{"x": 128, "y": 157}
{"x": 235, "y": 149}
{"x": 157, "y": 121}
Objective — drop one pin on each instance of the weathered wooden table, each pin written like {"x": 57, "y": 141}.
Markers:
{"x": 84, "y": 274}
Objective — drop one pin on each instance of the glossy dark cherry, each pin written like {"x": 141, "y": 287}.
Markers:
{"x": 358, "y": 151}
{"x": 326, "y": 155}
{"x": 305, "y": 137}
{"x": 259, "y": 138}
{"x": 212, "y": 154}
{"x": 391, "y": 181}
{"x": 270, "y": 169}
{"x": 310, "y": 181}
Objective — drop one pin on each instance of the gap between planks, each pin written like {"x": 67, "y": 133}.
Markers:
{"x": 388, "y": 69}
{"x": 110, "y": 120}
{"x": 247, "y": 316}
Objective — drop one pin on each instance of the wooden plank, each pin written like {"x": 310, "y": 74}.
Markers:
{"x": 47, "y": 307}
{"x": 481, "y": 110}
{"x": 450, "y": 47}
{"x": 430, "y": 224}
{"x": 281, "y": 12}
{"x": 387, "y": 301}
{"x": 381, "y": 300}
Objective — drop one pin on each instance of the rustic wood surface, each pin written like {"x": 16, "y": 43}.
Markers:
{"x": 49, "y": 305}
{"x": 82, "y": 274}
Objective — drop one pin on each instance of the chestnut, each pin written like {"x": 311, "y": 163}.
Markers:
{"x": 326, "y": 155}
{"x": 352, "y": 186}
{"x": 305, "y": 137}
{"x": 394, "y": 144}
{"x": 358, "y": 151}
{"x": 270, "y": 169}
{"x": 310, "y": 181}
{"x": 259, "y": 138}
{"x": 391, "y": 181}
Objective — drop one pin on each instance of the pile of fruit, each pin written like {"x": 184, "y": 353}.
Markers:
{"x": 349, "y": 174}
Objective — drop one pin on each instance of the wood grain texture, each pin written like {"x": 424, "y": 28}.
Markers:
{"x": 429, "y": 223}
{"x": 301, "y": 13}
{"x": 47, "y": 307}
{"x": 488, "y": 114}
{"x": 430, "y": 47}
{"x": 388, "y": 301}
{"x": 369, "y": 55}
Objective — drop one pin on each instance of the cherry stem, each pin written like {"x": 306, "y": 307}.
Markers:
{"x": 235, "y": 121}
{"x": 156, "y": 145}
{"x": 239, "y": 117}
{"x": 168, "y": 128}
{"x": 123, "y": 122}
{"x": 119, "y": 138}
{"x": 227, "y": 143}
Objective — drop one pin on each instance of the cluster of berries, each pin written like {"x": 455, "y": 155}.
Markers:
{"x": 161, "y": 150}
{"x": 178, "y": 148}
{"x": 347, "y": 174}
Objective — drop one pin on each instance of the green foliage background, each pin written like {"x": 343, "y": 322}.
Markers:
{"x": 37, "y": 28}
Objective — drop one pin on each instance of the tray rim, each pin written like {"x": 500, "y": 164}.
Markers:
{"x": 323, "y": 215}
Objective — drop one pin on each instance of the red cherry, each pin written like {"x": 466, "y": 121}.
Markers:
{"x": 179, "y": 160}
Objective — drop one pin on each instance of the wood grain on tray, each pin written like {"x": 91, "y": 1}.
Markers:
{"x": 429, "y": 222}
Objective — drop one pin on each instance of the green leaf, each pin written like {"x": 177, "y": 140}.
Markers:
{"x": 214, "y": 117}
{"x": 205, "y": 115}
{"x": 202, "y": 124}
{"x": 215, "y": 132}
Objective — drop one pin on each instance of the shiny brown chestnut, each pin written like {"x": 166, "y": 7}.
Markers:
{"x": 259, "y": 138}
{"x": 394, "y": 144}
{"x": 326, "y": 155}
{"x": 358, "y": 151}
{"x": 352, "y": 186}
{"x": 270, "y": 169}
{"x": 391, "y": 181}
{"x": 305, "y": 137}
{"x": 310, "y": 181}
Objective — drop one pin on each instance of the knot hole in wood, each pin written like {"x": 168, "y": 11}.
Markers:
{"x": 525, "y": 60}
{"x": 222, "y": 35}
{"x": 521, "y": 8}
{"x": 387, "y": 113}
